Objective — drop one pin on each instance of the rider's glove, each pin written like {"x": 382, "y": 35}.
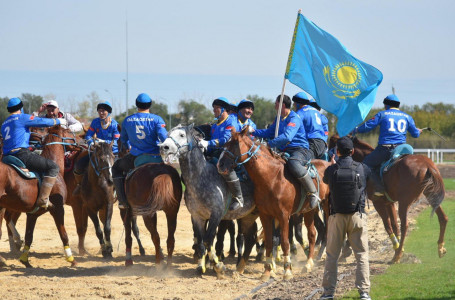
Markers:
{"x": 203, "y": 144}
{"x": 62, "y": 121}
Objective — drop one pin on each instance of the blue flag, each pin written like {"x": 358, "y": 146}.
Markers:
{"x": 341, "y": 84}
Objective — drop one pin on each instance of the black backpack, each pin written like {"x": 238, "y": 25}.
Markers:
{"x": 346, "y": 189}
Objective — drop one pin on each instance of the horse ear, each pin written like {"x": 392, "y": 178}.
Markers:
{"x": 245, "y": 130}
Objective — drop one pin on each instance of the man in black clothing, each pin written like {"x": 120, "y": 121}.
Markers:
{"x": 347, "y": 182}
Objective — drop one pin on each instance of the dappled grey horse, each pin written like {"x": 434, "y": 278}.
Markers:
{"x": 207, "y": 197}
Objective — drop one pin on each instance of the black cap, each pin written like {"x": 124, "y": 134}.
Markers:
{"x": 345, "y": 144}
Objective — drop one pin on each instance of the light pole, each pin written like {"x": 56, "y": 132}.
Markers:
{"x": 112, "y": 97}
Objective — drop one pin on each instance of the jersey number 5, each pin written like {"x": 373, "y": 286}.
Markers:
{"x": 140, "y": 132}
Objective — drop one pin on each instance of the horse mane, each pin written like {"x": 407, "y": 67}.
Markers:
{"x": 265, "y": 149}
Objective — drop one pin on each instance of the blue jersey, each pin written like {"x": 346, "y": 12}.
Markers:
{"x": 143, "y": 131}
{"x": 107, "y": 133}
{"x": 16, "y": 130}
{"x": 290, "y": 134}
{"x": 393, "y": 126}
{"x": 314, "y": 122}
{"x": 242, "y": 124}
{"x": 221, "y": 132}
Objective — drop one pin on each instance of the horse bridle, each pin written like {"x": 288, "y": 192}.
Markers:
{"x": 74, "y": 143}
{"x": 250, "y": 154}
{"x": 95, "y": 164}
{"x": 188, "y": 144}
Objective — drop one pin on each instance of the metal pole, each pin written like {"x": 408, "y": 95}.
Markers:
{"x": 278, "y": 114}
{"x": 126, "y": 80}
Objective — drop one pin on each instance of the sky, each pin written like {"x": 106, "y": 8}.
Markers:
{"x": 206, "y": 49}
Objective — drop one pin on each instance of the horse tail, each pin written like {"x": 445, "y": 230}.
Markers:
{"x": 433, "y": 187}
{"x": 162, "y": 193}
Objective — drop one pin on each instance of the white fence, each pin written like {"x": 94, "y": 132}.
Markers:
{"x": 436, "y": 155}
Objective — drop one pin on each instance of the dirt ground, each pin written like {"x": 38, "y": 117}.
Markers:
{"x": 97, "y": 278}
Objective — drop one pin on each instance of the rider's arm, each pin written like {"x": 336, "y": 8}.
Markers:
{"x": 73, "y": 124}
{"x": 90, "y": 133}
{"x": 124, "y": 135}
{"x": 287, "y": 135}
{"x": 33, "y": 121}
{"x": 115, "y": 132}
{"x": 220, "y": 141}
{"x": 265, "y": 133}
{"x": 413, "y": 130}
{"x": 370, "y": 124}
{"x": 160, "y": 128}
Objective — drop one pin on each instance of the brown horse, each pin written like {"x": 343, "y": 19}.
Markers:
{"x": 277, "y": 193}
{"x": 97, "y": 192}
{"x": 407, "y": 179}
{"x": 20, "y": 195}
{"x": 150, "y": 188}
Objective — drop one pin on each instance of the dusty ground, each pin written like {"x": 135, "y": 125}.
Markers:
{"x": 96, "y": 278}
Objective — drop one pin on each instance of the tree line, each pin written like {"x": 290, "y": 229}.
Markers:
{"x": 438, "y": 116}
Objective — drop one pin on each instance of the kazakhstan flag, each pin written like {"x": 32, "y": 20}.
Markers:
{"x": 341, "y": 84}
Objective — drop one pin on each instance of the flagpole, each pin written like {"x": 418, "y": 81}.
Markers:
{"x": 278, "y": 115}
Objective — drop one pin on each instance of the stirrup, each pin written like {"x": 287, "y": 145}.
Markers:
{"x": 378, "y": 194}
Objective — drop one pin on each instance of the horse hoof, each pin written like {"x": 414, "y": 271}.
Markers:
{"x": 442, "y": 252}
{"x": 200, "y": 270}
{"x": 265, "y": 277}
{"x": 241, "y": 266}
{"x": 2, "y": 262}
{"x": 73, "y": 263}
{"x": 128, "y": 262}
{"x": 219, "y": 268}
{"x": 142, "y": 251}
{"x": 26, "y": 264}
{"x": 287, "y": 275}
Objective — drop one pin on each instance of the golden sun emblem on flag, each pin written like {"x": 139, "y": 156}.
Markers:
{"x": 344, "y": 79}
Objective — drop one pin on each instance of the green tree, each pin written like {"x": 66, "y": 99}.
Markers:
{"x": 31, "y": 102}
{"x": 3, "y": 111}
{"x": 190, "y": 112}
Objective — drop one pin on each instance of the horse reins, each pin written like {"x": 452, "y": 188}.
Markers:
{"x": 250, "y": 154}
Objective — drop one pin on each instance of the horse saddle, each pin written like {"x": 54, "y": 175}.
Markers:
{"x": 147, "y": 158}
{"x": 19, "y": 166}
{"x": 397, "y": 153}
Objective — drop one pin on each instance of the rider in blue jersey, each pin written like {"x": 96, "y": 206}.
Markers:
{"x": 394, "y": 124}
{"x": 245, "y": 111}
{"x": 292, "y": 140}
{"x": 314, "y": 122}
{"x": 143, "y": 130}
{"x": 16, "y": 135}
{"x": 325, "y": 121}
{"x": 220, "y": 134}
{"x": 106, "y": 130}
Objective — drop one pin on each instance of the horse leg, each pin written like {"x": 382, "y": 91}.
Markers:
{"x": 246, "y": 236}
{"x": 322, "y": 235}
{"x": 150, "y": 222}
{"x": 107, "y": 229}
{"x": 58, "y": 213}
{"x": 443, "y": 219}
{"x": 29, "y": 229}
{"x": 311, "y": 233}
{"x": 403, "y": 213}
{"x": 81, "y": 219}
{"x": 240, "y": 241}
{"x": 136, "y": 235}
{"x": 276, "y": 250}
{"x": 381, "y": 208}
{"x": 171, "y": 218}
{"x": 199, "y": 248}
{"x": 269, "y": 267}
{"x": 14, "y": 238}
{"x": 219, "y": 245}
{"x": 98, "y": 231}
{"x": 393, "y": 219}
{"x": 209, "y": 236}
{"x": 231, "y": 230}
{"x": 125, "y": 214}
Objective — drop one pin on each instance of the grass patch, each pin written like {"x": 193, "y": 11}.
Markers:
{"x": 449, "y": 184}
{"x": 434, "y": 278}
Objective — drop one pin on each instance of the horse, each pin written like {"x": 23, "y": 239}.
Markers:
{"x": 97, "y": 192}
{"x": 277, "y": 194}
{"x": 150, "y": 188}
{"x": 405, "y": 181}
{"x": 20, "y": 195}
{"x": 207, "y": 197}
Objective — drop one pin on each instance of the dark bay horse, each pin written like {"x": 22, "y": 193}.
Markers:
{"x": 277, "y": 194}
{"x": 20, "y": 195}
{"x": 407, "y": 179}
{"x": 97, "y": 192}
{"x": 150, "y": 188}
{"x": 207, "y": 197}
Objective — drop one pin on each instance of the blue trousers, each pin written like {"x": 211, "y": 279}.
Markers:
{"x": 298, "y": 158}
{"x": 378, "y": 156}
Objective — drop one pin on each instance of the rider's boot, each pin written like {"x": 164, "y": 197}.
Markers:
{"x": 236, "y": 192}
{"x": 378, "y": 186}
{"x": 78, "y": 178}
{"x": 119, "y": 184}
{"x": 45, "y": 191}
{"x": 308, "y": 186}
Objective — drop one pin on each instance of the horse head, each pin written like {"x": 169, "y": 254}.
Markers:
{"x": 102, "y": 159}
{"x": 180, "y": 140}
{"x": 67, "y": 138}
{"x": 237, "y": 151}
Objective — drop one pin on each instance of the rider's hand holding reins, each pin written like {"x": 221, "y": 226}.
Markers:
{"x": 203, "y": 144}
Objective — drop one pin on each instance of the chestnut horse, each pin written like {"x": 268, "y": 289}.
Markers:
{"x": 150, "y": 188}
{"x": 405, "y": 181}
{"x": 277, "y": 193}
{"x": 20, "y": 195}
